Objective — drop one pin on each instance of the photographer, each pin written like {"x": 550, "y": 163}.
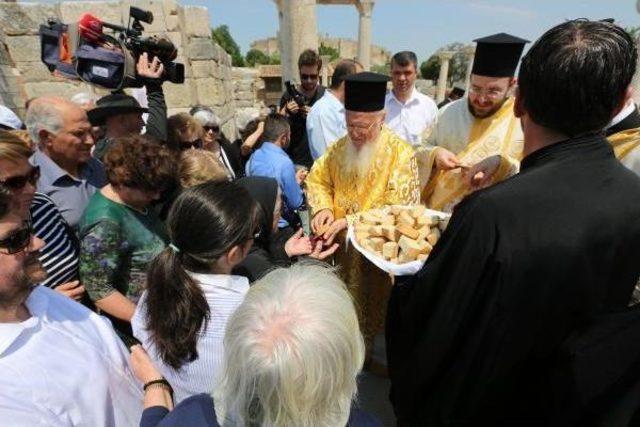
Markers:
{"x": 121, "y": 114}
{"x": 297, "y": 105}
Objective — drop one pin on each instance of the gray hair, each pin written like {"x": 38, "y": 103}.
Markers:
{"x": 84, "y": 99}
{"x": 292, "y": 351}
{"x": 43, "y": 114}
{"x": 205, "y": 117}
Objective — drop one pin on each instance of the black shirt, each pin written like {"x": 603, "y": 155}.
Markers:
{"x": 298, "y": 150}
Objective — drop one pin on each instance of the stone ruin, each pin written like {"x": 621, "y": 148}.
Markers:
{"x": 209, "y": 75}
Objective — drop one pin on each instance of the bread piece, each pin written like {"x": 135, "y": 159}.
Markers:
{"x": 376, "y": 231}
{"x": 388, "y": 220}
{"x": 361, "y": 228}
{"x": 427, "y": 220}
{"x": 406, "y": 218}
{"x": 391, "y": 232}
{"x": 422, "y": 257}
{"x": 410, "y": 232}
{"x": 390, "y": 250}
{"x": 377, "y": 243}
{"x": 404, "y": 258}
{"x": 371, "y": 218}
{"x": 361, "y": 237}
{"x": 425, "y": 247}
{"x": 423, "y": 232}
{"x": 418, "y": 211}
{"x": 397, "y": 210}
{"x": 394, "y": 261}
{"x": 434, "y": 236}
{"x": 410, "y": 247}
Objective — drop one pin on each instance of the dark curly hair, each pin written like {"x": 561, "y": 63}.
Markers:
{"x": 140, "y": 162}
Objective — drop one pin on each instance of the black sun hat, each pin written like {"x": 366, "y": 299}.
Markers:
{"x": 112, "y": 104}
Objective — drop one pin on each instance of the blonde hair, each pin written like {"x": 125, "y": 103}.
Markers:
{"x": 292, "y": 352}
{"x": 12, "y": 147}
{"x": 179, "y": 125}
{"x": 200, "y": 166}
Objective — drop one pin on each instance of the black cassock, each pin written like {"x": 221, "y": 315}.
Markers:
{"x": 474, "y": 338}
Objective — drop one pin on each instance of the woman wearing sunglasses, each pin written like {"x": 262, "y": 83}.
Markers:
{"x": 215, "y": 141}
{"x": 59, "y": 255}
{"x": 119, "y": 232}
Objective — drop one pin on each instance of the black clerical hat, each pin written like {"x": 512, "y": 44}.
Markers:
{"x": 112, "y": 104}
{"x": 365, "y": 91}
{"x": 498, "y": 55}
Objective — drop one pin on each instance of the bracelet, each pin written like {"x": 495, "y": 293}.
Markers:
{"x": 162, "y": 382}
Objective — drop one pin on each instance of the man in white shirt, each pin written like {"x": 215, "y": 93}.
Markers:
{"x": 410, "y": 114}
{"x": 326, "y": 122}
{"x": 60, "y": 363}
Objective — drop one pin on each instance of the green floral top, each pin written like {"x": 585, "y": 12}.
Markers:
{"x": 117, "y": 244}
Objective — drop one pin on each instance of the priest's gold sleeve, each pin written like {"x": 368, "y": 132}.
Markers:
{"x": 403, "y": 187}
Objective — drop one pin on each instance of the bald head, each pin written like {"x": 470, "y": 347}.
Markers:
{"x": 61, "y": 129}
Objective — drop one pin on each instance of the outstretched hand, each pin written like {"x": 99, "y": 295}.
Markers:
{"x": 149, "y": 70}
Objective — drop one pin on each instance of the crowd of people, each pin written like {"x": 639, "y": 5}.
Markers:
{"x": 155, "y": 273}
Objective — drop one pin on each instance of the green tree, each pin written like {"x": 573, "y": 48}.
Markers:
{"x": 328, "y": 50}
{"x": 382, "y": 69}
{"x": 274, "y": 59}
{"x": 223, "y": 37}
{"x": 430, "y": 68}
{"x": 633, "y": 32}
{"x": 255, "y": 56}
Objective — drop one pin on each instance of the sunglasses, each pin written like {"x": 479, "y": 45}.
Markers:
{"x": 308, "y": 76}
{"x": 17, "y": 241}
{"x": 216, "y": 129}
{"x": 18, "y": 182}
{"x": 193, "y": 144}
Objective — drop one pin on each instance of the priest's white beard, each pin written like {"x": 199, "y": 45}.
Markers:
{"x": 359, "y": 162}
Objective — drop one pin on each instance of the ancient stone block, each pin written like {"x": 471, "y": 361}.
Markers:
{"x": 201, "y": 48}
{"x": 210, "y": 91}
{"x": 64, "y": 89}
{"x": 24, "y": 48}
{"x": 172, "y": 22}
{"x": 35, "y": 72}
{"x": 204, "y": 68}
{"x": 170, "y": 7}
{"x": 25, "y": 18}
{"x": 111, "y": 12}
{"x": 195, "y": 21}
{"x": 180, "y": 95}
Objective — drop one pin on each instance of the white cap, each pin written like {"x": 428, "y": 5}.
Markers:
{"x": 9, "y": 118}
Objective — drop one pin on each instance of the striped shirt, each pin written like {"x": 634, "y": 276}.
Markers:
{"x": 59, "y": 255}
{"x": 223, "y": 294}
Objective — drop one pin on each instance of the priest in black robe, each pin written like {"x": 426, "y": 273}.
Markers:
{"x": 478, "y": 336}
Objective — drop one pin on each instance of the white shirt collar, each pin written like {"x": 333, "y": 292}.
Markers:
{"x": 628, "y": 109}
{"x": 37, "y": 306}
{"x": 413, "y": 98}
{"x": 226, "y": 281}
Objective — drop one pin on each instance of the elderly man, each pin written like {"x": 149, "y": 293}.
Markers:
{"x": 481, "y": 335}
{"x": 326, "y": 123}
{"x": 410, "y": 114}
{"x": 368, "y": 168}
{"x": 293, "y": 351}
{"x": 68, "y": 173}
{"x": 472, "y": 129}
{"x": 60, "y": 364}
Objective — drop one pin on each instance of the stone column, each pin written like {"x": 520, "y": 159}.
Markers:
{"x": 298, "y": 31}
{"x": 325, "y": 69}
{"x": 469, "y": 53}
{"x": 445, "y": 57}
{"x": 365, "y": 9}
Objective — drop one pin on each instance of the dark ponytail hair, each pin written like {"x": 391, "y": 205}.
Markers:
{"x": 204, "y": 223}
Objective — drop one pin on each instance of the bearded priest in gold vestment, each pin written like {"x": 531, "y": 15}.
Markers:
{"x": 368, "y": 168}
{"x": 475, "y": 130}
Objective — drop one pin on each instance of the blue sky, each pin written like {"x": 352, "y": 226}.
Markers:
{"x": 422, "y": 25}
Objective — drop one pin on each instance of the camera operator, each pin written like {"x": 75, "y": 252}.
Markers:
{"x": 121, "y": 114}
{"x": 309, "y": 65}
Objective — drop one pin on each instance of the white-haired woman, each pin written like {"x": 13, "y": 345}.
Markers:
{"x": 293, "y": 350}
{"x": 215, "y": 141}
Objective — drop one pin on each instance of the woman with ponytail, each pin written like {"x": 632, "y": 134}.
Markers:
{"x": 182, "y": 315}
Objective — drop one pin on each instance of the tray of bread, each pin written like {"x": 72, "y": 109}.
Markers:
{"x": 397, "y": 239}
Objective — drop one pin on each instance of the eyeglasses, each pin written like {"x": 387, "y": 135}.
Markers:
{"x": 491, "y": 93}
{"x": 361, "y": 129}
{"x": 193, "y": 144}
{"x": 17, "y": 241}
{"x": 18, "y": 182}
{"x": 308, "y": 77}
{"x": 214, "y": 128}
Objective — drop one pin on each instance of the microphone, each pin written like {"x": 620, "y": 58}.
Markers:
{"x": 90, "y": 28}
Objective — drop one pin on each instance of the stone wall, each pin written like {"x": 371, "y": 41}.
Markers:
{"x": 207, "y": 66}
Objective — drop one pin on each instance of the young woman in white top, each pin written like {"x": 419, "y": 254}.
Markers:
{"x": 191, "y": 293}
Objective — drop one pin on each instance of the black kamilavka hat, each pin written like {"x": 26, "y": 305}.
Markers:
{"x": 112, "y": 104}
{"x": 365, "y": 92}
{"x": 497, "y": 55}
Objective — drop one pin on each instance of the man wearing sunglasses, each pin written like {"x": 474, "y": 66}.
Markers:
{"x": 60, "y": 363}
{"x": 297, "y": 108}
